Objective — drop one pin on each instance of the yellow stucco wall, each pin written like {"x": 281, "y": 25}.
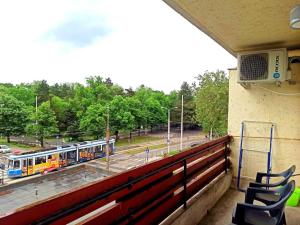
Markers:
{"x": 259, "y": 104}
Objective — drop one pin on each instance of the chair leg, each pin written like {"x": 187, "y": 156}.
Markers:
{"x": 283, "y": 220}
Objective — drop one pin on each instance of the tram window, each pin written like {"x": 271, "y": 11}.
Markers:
{"x": 29, "y": 162}
{"x": 49, "y": 156}
{"x": 39, "y": 160}
{"x": 24, "y": 162}
{"x": 17, "y": 164}
{"x": 71, "y": 155}
{"x": 61, "y": 156}
{"x": 10, "y": 164}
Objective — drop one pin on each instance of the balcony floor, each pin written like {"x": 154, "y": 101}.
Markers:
{"x": 222, "y": 212}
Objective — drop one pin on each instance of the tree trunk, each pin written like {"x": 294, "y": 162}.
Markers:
{"x": 117, "y": 135}
{"x": 42, "y": 141}
{"x": 130, "y": 135}
{"x": 8, "y": 138}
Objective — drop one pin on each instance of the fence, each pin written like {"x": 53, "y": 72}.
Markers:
{"x": 145, "y": 195}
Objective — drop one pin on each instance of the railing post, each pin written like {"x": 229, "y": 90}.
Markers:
{"x": 184, "y": 183}
{"x": 226, "y": 157}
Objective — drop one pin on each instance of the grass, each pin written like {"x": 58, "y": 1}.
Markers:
{"x": 143, "y": 149}
{"x": 136, "y": 140}
{"x": 174, "y": 152}
{"x": 18, "y": 146}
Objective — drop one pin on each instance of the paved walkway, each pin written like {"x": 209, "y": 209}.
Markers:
{"x": 27, "y": 192}
{"x": 122, "y": 161}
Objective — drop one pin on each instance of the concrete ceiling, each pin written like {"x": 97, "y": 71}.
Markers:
{"x": 240, "y": 25}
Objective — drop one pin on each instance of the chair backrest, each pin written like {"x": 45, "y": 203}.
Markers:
{"x": 278, "y": 208}
{"x": 289, "y": 172}
{"x": 287, "y": 175}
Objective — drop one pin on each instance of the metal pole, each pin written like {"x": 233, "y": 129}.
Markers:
{"x": 181, "y": 134}
{"x": 107, "y": 140}
{"x": 269, "y": 166}
{"x": 2, "y": 180}
{"x": 240, "y": 158}
{"x": 36, "y": 110}
{"x": 168, "y": 131}
{"x": 36, "y": 104}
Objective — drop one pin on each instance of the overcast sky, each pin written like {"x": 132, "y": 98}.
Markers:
{"x": 134, "y": 42}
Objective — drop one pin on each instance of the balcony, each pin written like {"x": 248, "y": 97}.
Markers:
{"x": 145, "y": 195}
{"x": 192, "y": 187}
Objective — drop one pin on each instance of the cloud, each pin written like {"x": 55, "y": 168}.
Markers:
{"x": 80, "y": 30}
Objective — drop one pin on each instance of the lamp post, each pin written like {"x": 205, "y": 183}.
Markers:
{"x": 181, "y": 133}
{"x": 169, "y": 127}
{"x": 36, "y": 122}
{"x": 107, "y": 139}
{"x": 168, "y": 138}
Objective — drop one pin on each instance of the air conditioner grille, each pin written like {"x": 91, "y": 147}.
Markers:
{"x": 254, "y": 67}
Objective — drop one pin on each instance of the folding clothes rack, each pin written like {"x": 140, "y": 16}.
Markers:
{"x": 242, "y": 149}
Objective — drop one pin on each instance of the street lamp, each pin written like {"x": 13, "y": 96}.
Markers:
{"x": 36, "y": 111}
{"x": 169, "y": 127}
{"x": 107, "y": 139}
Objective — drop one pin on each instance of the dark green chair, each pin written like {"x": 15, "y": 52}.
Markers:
{"x": 273, "y": 214}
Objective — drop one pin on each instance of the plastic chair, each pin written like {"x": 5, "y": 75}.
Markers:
{"x": 285, "y": 174}
{"x": 248, "y": 214}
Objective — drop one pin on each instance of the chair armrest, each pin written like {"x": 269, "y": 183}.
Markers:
{"x": 263, "y": 185}
{"x": 260, "y": 175}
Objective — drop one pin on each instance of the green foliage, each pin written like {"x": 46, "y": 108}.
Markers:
{"x": 23, "y": 93}
{"x": 59, "y": 107}
{"x": 212, "y": 102}
{"x": 74, "y": 109}
{"x": 189, "y": 105}
{"x": 93, "y": 120}
{"x": 41, "y": 90}
{"x": 121, "y": 118}
{"x": 43, "y": 123}
{"x": 13, "y": 116}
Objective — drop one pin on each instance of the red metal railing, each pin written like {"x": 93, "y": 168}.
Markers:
{"x": 145, "y": 195}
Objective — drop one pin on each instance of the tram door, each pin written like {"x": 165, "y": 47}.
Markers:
{"x": 29, "y": 166}
{"x": 63, "y": 159}
{"x": 24, "y": 167}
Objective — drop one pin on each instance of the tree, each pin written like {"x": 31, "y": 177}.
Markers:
{"x": 93, "y": 120}
{"x": 153, "y": 103}
{"x": 59, "y": 107}
{"x": 13, "y": 116}
{"x": 138, "y": 110}
{"x": 121, "y": 118}
{"x": 43, "y": 122}
{"x": 212, "y": 102}
{"x": 189, "y": 106}
{"x": 41, "y": 89}
{"x": 156, "y": 114}
{"x": 23, "y": 93}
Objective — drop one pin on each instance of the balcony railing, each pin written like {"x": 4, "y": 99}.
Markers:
{"x": 144, "y": 195}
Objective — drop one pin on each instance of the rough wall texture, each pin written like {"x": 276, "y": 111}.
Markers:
{"x": 200, "y": 204}
{"x": 259, "y": 104}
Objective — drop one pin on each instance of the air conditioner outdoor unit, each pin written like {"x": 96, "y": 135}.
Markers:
{"x": 262, "y": 66}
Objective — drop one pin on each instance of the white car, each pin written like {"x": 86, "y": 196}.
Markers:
{"x": 4, "y": 149}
